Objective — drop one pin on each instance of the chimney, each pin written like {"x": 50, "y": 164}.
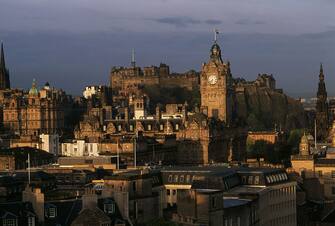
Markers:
{"x": 158, "y": 112}
{"x": 90, "y": 199}
{"x": 36, "y": 198}
{"x": 126, "y": 114}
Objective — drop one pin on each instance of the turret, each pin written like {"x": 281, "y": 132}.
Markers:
{"x": 304, "y": 147}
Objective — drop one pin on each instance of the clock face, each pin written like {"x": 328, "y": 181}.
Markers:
{"x": 212, "y": 79}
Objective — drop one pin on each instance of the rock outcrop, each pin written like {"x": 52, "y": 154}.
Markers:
{"x": 264, "y": 108}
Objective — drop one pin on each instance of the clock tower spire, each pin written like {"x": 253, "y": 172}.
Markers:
{"x": 216, "y": 98}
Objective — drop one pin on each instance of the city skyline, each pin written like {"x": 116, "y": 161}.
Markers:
{"x": 89, "y": 38}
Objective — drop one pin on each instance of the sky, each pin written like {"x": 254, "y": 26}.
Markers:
{"x": 74, "y": 43}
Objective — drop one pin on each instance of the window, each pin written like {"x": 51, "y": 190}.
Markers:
{"x": 250, "y": 179}
{"x": 213, "y": 202}
{"x": 333, "y": 190}
{"x": 31, "y": 221}
{"x": 9, "y": 222}
{"x": 175, "y": 178}
{"x": 256, "y": 179}
{"x": 238, "y": 221}
{"x": 161, "y": 127}
{"x": 134, "y": 185}
{"x": 181, "y": 179}
{"x": 168, "y": 192}
{"x": 177, "y": 127}
{"x": 131, "y": 128}
{"x": 333, "y": 173}
{"x": 170, "y": 178}
{"x": 188, "y": 177}
{"x": 119, "y": 127}
{"x": 109, "y": 208}
{"x": 52, "y": 212}
{"x": 149, "y": 127}
{"x": 174, "y": 192}
{"x": 320, "y": 173}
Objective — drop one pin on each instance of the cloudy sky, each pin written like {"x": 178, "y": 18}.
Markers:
{"x": 74, "y": 43}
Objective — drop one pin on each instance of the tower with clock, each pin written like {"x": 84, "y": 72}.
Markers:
{"x": 215, "y": 86}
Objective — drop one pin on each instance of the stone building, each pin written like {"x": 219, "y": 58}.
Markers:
{"x": 4, "y": 73}
{"x": 36, "y": 112}
{"x": 128, "y": 80}
{"x": 212, "y": 135}
{"x": 322, "y": 119}
{"x": 216, "y": 87}
{"x": 265, "y": 80}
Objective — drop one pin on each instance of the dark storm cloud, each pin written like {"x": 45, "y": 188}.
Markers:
{"x": 213, "y": 22}
{"x": 186, "y": 21}
{"x": 249, "y": 22}
{"x": 178, "y": 21}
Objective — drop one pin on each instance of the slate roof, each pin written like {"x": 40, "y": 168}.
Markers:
{"x": 67, "y": 211}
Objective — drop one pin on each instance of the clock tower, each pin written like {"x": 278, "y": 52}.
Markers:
{"x": 215, "y": 86}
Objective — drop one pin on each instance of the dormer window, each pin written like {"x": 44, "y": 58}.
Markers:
{"x": 51, "y": 212}
{"x": 109, "y": 208}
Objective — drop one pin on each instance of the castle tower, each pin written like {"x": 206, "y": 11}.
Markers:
{"x": 215, "y": 87}
{"x": 4, "y": 74}
{"x": 321, "y": 109}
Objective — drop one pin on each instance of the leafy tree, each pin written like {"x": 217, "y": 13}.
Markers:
{"x": 294, "y": 140}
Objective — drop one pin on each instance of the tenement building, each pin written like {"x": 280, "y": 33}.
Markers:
{"x": 216, "y": 196}
{"x": 39, "y": 111}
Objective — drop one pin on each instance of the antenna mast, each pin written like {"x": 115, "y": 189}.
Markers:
{"x": 28, "y": 168}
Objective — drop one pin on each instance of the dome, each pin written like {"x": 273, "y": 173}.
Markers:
{"x": 33, "y": 90}
{"x": 216, "y": 52}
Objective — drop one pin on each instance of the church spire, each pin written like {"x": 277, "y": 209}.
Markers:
{"x": 322, "y": 108}
{"x": 2, "y": 57}
{"x": 4, "y": 75}
{"x": 321, "y": 75}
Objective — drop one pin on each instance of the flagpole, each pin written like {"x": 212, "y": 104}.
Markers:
{"x": 118, "y": 156}
{"x": 28, "y": 169}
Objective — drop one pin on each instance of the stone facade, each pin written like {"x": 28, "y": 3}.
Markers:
{"x": 35, "y": 113}
{"x": 215, "y": 87}
{"x": 125, "y": 81}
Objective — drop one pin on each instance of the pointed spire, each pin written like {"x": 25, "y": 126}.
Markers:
{"x": 321, "y": 75}
{"x": 2, "y": 57}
